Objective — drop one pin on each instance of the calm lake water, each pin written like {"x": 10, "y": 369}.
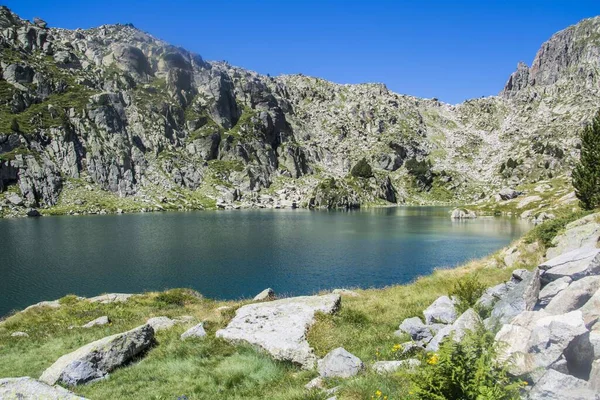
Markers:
{"x": 234, "y": 254}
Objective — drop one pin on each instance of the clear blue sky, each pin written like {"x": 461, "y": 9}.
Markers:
{"x": 452, "y": 50}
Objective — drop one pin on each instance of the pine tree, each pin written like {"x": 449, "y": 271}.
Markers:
{"x": 586, "y": 176}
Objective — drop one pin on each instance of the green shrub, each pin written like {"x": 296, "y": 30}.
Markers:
{"x": 586, "y": 175}
{"x": 177, "y": 297}
{"x": 362, "y": 169}
{"x": 421, "y": 171}
{"x": 467, "y": 291}
{"x": 468, "y": 370}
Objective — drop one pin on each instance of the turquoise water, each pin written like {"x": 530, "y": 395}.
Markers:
{"x": 234, "y": 254}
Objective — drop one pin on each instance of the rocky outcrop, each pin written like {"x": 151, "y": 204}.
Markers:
{"x": 28, "y": 388}
{"x": 132, "y": 116}
{"x": 279, "y": 327}
{"x": 461, "y": 213}
{"x": 97, "y": 359}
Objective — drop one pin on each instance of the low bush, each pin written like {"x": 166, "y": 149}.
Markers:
{"x": 466, "y": 292}
{"x": 468, "y": 370}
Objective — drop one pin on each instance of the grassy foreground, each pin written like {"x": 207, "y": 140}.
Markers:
{"x": 211, "y": 368}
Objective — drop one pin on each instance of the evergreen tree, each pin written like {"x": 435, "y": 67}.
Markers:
{"x": 586, "y": 176}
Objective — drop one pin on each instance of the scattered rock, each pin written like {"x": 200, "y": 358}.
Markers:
{"x": 316, "y": 383}
{"x": 25, "y": 388}
{"x": 416, "y": 329}
{"x": 508, "y": 194}
{"x": 97, "y": 359}
{"x": 15, "y": 199}
{"x": 339, "y": 363}
{"x": 32, "y": 212}
{"x": 267, "y": 294}
{"x": 279, "y": 327}
{"x": 468, "y": 321}
{"x": 386, "y": 367}
{"x": 98, "y": 321}
{"x": 195, "y": 331}
{"x": 161, "y": 323}
{"x": 440, "y": 311}
{"x": 461, "y": 213}
{"x": 19, "y": 334}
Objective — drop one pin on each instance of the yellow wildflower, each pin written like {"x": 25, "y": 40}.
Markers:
{"x": 433, "y": 359}
{"x": 378, "y": 393}
{"x": 397, "y": 347}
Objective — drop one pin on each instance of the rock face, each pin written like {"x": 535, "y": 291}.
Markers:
{"x": 339, "y": 363}
{"x": 28, "y": 388}
{"x": 97, "y": 359}
{"x": 147, "y": 117}
{"x": 279, "y": 327}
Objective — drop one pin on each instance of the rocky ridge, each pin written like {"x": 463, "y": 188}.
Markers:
{"x": 111, "y": 119}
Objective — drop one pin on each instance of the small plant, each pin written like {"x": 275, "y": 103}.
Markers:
{"x": 468, "y": 370}
{"x": 466, "y": 292}
{"x": 586, "y": 176}
{"x": 362, "y": 169}
{"x": 176, "y": 297}
{"x": 14, "y": 125}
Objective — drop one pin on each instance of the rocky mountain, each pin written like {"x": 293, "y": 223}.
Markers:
{"x": 111, "y": 118}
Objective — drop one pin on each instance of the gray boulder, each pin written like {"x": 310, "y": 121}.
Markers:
{"x": 280, "y": 326}
{"x": 161, "y": 323}
{"x": 581, "y": 233}
{"x": 468, "y": 321}
{"x": 97, "y": 359}
{"x": 575, "y": 264}
{"x": 98, "y": 321}
{"x": 416, "y": 329}
{"x": 591, "y": 310}
{"x": 552, "y": 289}
{"x": 25, "y": 388}
{"x": 508, "y": 194}
{"x": 574, "y": 296}
{"x": 440, "y": 311}
{"x": 522, "y": 297}
{"x": 267, "y": 294}
{"x": 461, "y": 213}
{"x": 494, "y": 294}
{"x": 556, "y": 386}
{"x": 195, "y": 331}
{"x": 339, "y": 363}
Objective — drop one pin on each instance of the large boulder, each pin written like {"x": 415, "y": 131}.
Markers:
{"x": 161, "y": 323}
{"x": 25, "y": 388}
{"x": 97, "y": 359}
{"x": 554, "y": 385}
{"x": 522, "y": 297}
{"x": 267, "y": 294}
{"x": 339, "y": 363}
{"x": 574, "y": 296}
{"x": 98, "y": 321}
{"x": 552, "y": 289}
{"x": 508, "y": 194}
{"x": 440, "y": 311}
{"x": 581, "y": 233}
{"x": 575, "y": 264}
{"x": 461, "y": 213}
{"x": 279, "y": 327}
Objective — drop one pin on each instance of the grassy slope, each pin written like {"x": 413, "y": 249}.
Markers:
{"x": 211, "y": 368}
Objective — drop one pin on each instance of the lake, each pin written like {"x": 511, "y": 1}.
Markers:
{"x": 235, "y": 254}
